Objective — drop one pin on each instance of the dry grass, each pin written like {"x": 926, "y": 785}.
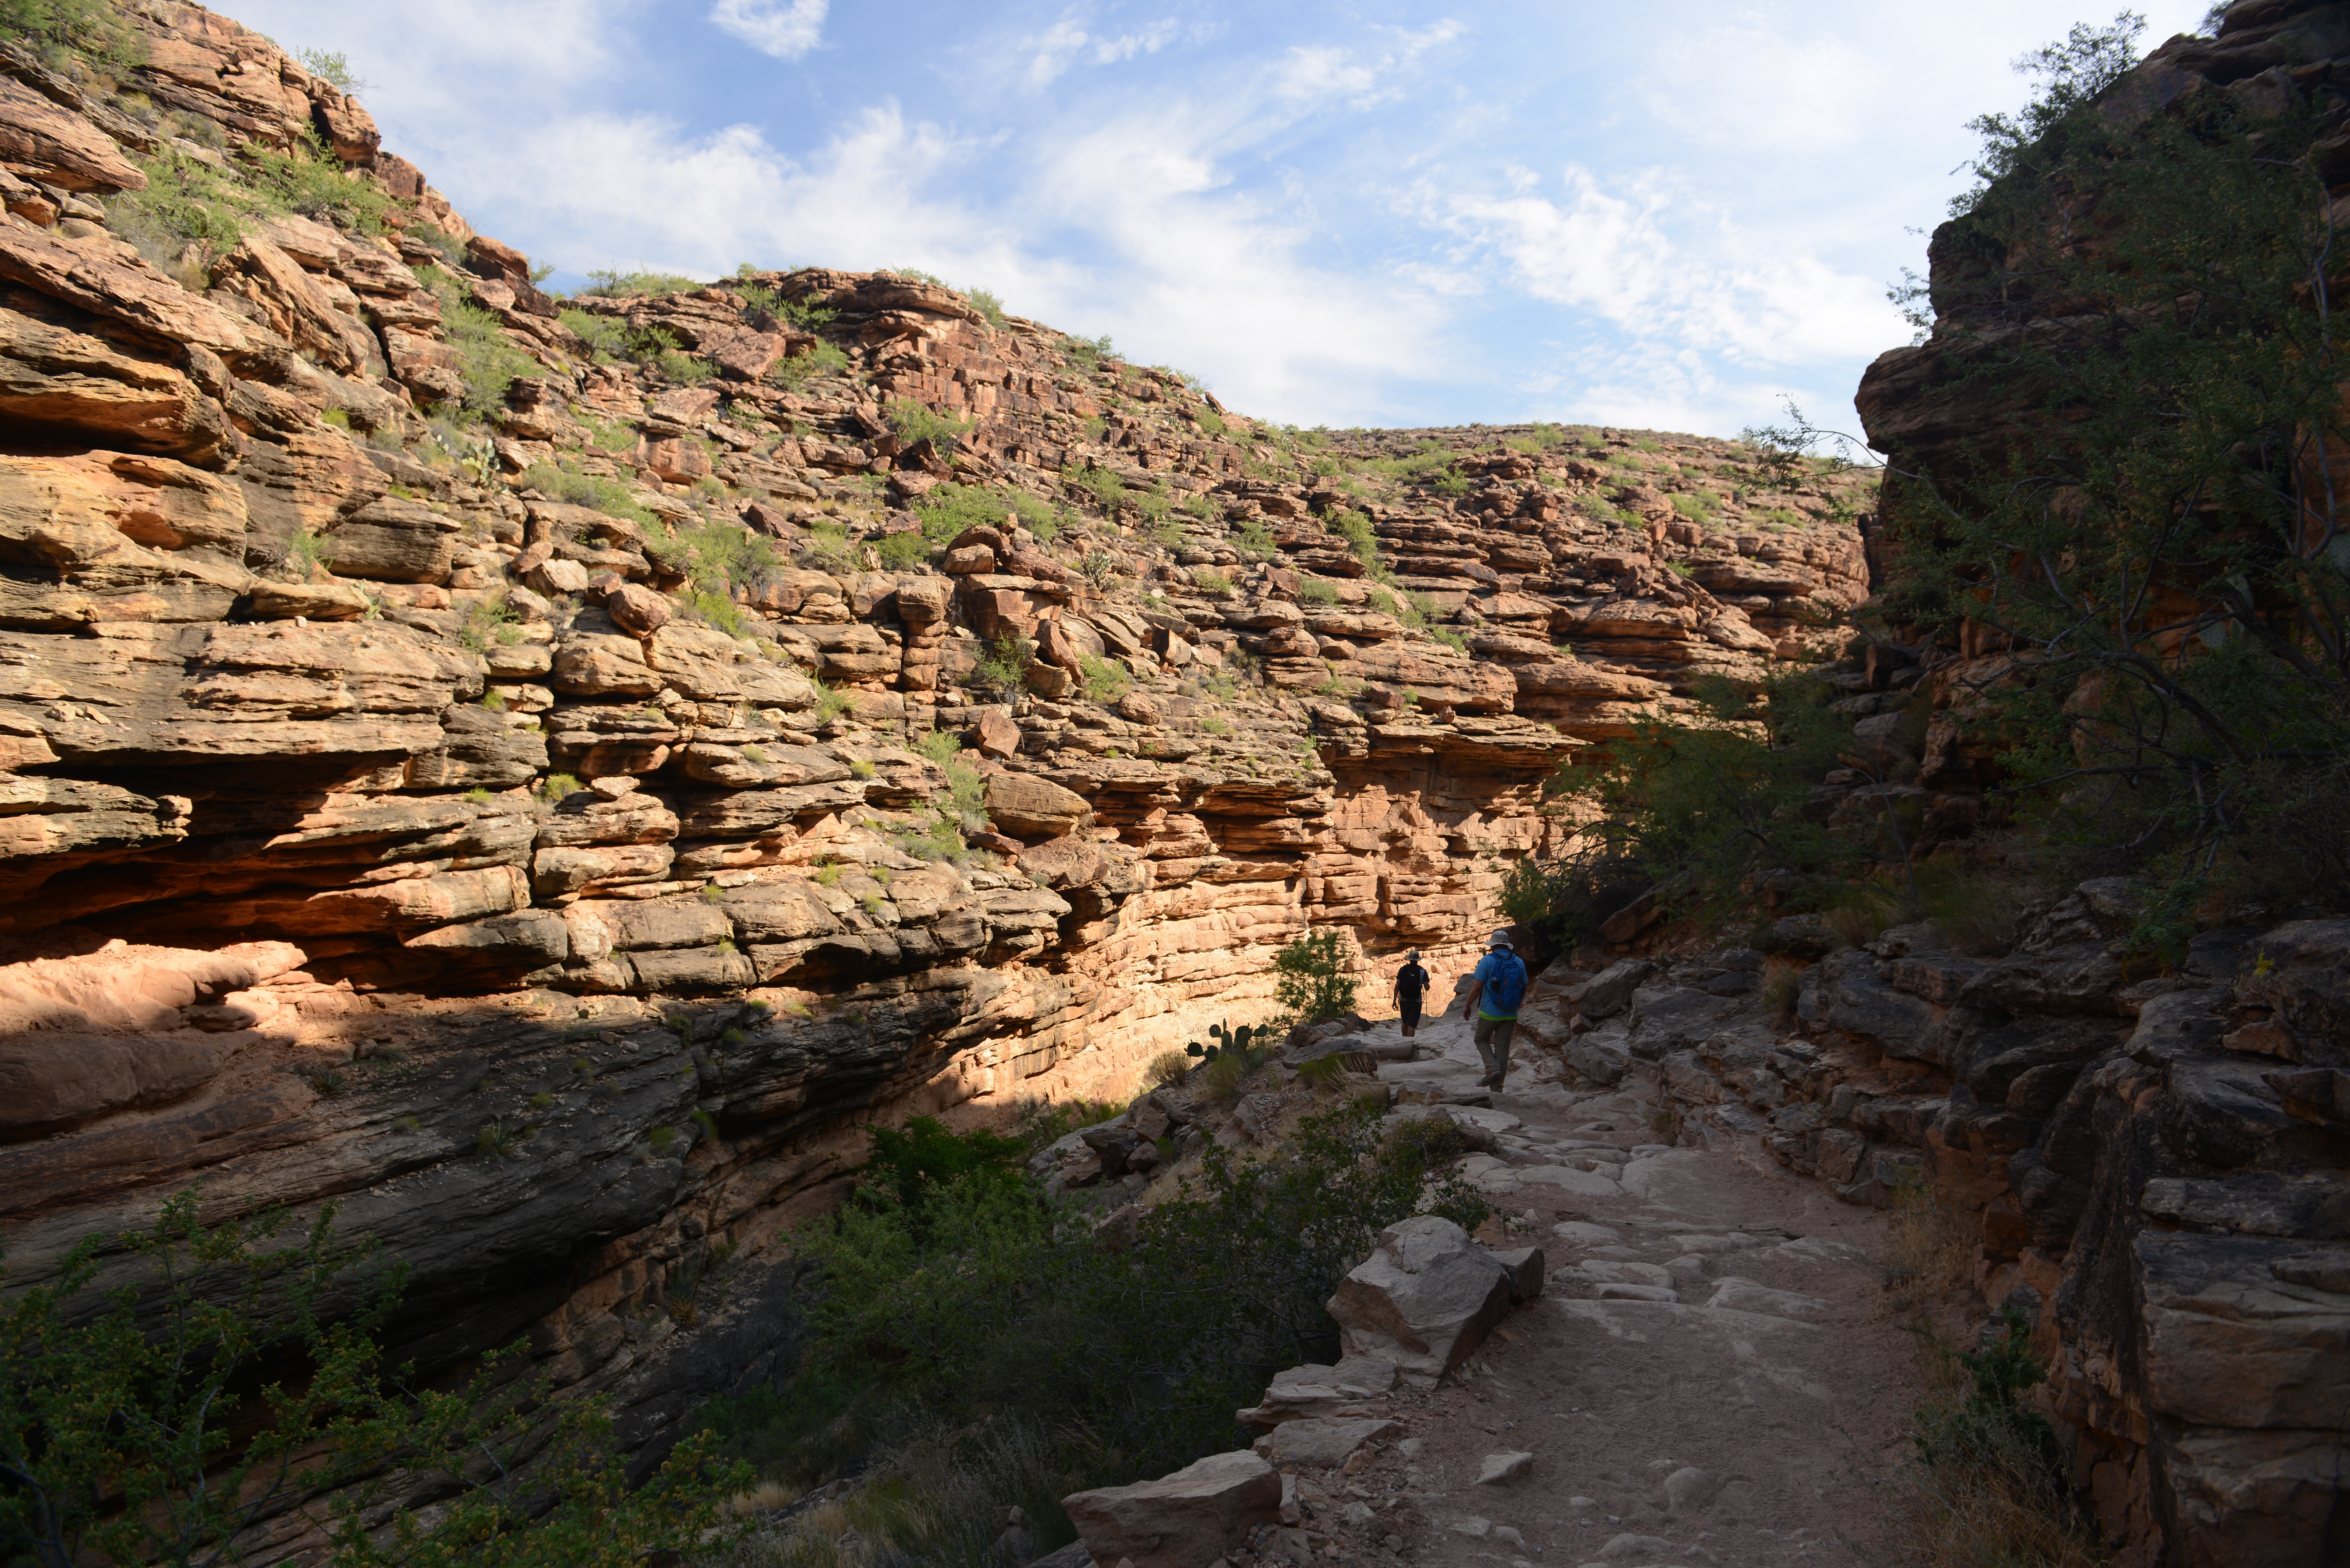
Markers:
{"x": 942, "y": 1501}
{"x": 1866, "y": 914}
{"x": 1930, "y": 1253}
{"x": 1987, "y": 1514}
{"x": 1782, "y": 979}
{"x": 1323, "y": 1073}
{"x": 1978, "y": 1491}
{"x": 1225, "y": 1077}
{"x": 1167, "y": 1068}
{"x": 1992, "y": 1503}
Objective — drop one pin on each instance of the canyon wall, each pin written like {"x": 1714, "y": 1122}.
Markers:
{"x": 2155, "y": 1160}
{"x": 543, "y": 773}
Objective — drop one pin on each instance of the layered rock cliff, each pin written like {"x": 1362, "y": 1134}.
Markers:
{"x": 544, "y": 772}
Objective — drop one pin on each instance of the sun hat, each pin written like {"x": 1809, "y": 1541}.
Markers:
{"x": 1501, "y": 939}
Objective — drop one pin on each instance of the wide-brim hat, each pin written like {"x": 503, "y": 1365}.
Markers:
{"x": 1501, "y": 939}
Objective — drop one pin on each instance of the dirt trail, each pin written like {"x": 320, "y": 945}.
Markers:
{"x": 1707, "y": 1378}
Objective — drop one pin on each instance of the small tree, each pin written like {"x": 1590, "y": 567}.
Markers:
{"x": 1314, "y": 984}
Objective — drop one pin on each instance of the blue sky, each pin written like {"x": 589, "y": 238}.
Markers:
{"x": 1385, "y": 213}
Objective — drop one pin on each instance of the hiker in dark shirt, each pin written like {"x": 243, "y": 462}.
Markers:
{"x": 1412, "y": 983}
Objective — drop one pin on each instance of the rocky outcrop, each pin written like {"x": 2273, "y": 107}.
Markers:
{"x": 2154, "y": 1171}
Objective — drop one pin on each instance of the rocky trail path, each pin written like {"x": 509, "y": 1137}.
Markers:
{"x": 1708, "y": 1377}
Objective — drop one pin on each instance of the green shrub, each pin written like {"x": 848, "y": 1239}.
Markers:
{"x": 1004, "y": 664}
{"x": 1318, "y": 591}
{"x": 569, "y": 485}
{"x": 490, "y": 360}
{"x": 1254, "y": 540}
{"x": 919, "y": 422}
{"x": 607, "y": 337}
{"x": 978, "y": 1295}
{"x": 613, "y": 284}
{"x": 1698, "y": 506}
{"x": 1105, "y": 489}
{"x": 796, "y": 370}
{"x": 947, "y": 510}
{"x": 1356, "y": 529}
{"x": 1212, "y": 583}
{"x": 1104, "y": 680}
{"x": 831, "y": 702}
{"x": 489, "y": 622}
{"x": 1448, "y": 638}
{"x": 153, "y": 1427}
{"x": 558, "y": 787}
{"x": 904, "y": 550}
{"x": 827, "y": 549}
{"x": 1088, "y": 353}
{"x": 1314, "y": 983}
{"x": 989, "y": 306}
{"x": 310, "y": 180}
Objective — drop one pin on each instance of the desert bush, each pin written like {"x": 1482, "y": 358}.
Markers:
{"x": 1314, "y": 983}
{"x": 1318, "y": 591}
{"x": 491, "y": 361}
{"x": 1105, "y": 679}
{"x": 1004, "y": 664}
{"x": 2145, "y": 527}
{"x": 612, "y": 283}
{"x": 1225, "y": 1076}
{"x": 1696, "y": 806}
{"x": 1985, "y": 1481}
{"x": 141, "y": 1431}
{"x": 1783, "y": 981}
{"x": 991, "y": 1297}
{"x": 1322, "y": 1072}
{"x": 796, "y": 370}
{"x": 1167, "y": 1068}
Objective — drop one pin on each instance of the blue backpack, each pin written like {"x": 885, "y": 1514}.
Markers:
{"x": 1505, "y": 986}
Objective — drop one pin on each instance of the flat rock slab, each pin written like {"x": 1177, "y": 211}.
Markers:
{"x": 1321, "y": 1442}
{"x": 1180, "y": 1520}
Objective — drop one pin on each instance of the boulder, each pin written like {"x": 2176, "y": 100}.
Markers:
{"x": 1610, "y": 992}
{"x": 1424, "y": 1299}
{"x": 636, "y": 608}
{"x": 1030, "y": 807}
{"x": 1321, "y": 1442}
{"x": 1182, "y": 1521}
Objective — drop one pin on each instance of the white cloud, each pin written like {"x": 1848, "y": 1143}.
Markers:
{"x": 1319, "y": 72}
{"x": 784, "y": 28}
{"x": 1663, "y": 267}
{"x": 1065, "y": 42}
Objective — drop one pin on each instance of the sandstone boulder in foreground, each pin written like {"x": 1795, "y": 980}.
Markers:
{"x": 1424, "y": 1300}
{"x": 1181, "y": 1521}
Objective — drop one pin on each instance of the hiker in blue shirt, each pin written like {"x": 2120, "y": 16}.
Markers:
{"x": 1495, "y": 988}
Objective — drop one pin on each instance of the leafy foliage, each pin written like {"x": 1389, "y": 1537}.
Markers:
{"x": 2156, "y": 537}
{"x": 1698, "y": 806}
{"x": 989, "y": 1297}
{"x": 142, "y": 1432}
{"x": 1314, "y": 983}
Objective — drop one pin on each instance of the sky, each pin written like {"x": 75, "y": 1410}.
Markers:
{"x": 1670, "y": 216}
